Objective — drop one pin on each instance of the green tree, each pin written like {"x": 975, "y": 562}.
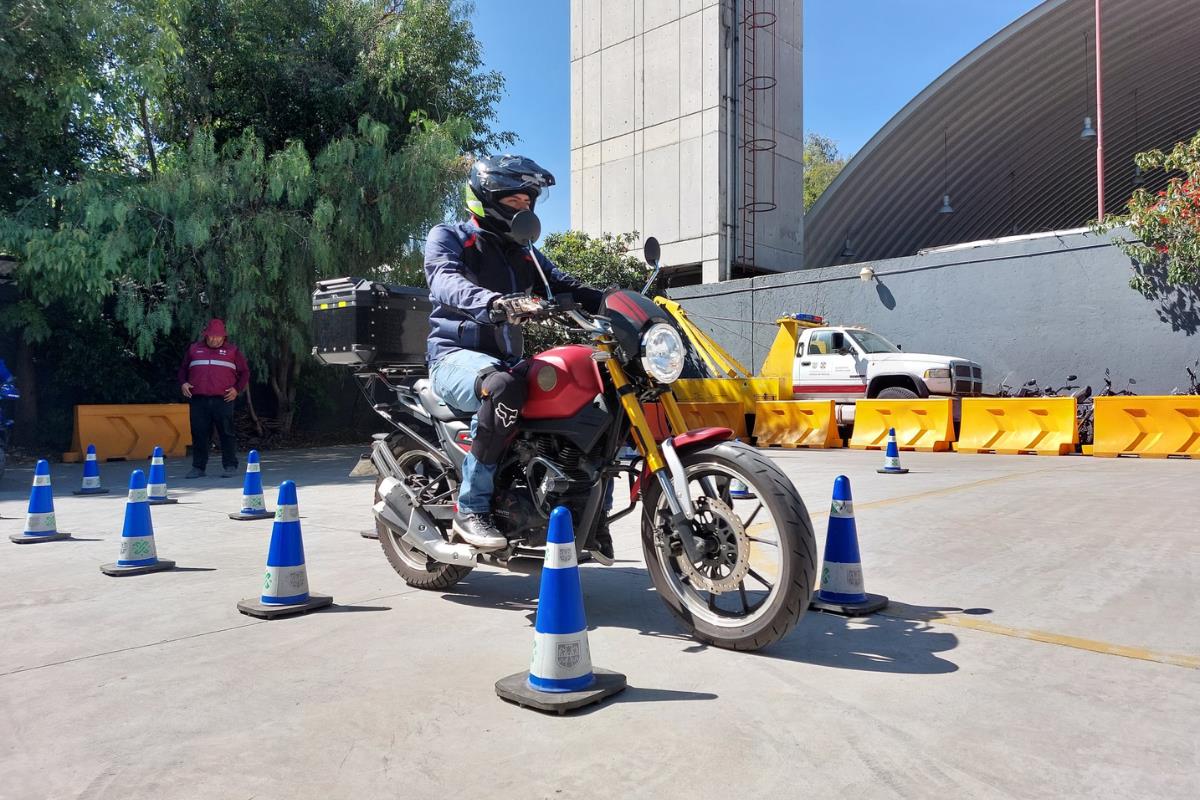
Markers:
{"x": 822, "y": 163}
{"x": 1166, "y": 223}
{"x": 253, "y": 147}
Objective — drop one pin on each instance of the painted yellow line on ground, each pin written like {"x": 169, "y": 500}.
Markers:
{"x": 903, "y": 611}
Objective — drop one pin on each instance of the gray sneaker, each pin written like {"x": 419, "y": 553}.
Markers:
{"x": 195, "y": 473}
{"x": 478, "y": 530}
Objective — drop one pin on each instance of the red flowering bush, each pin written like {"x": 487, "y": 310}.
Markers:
{"x": 1166, "y": 223}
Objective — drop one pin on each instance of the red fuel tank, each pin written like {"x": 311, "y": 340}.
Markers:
{"x": 562, "y": 381}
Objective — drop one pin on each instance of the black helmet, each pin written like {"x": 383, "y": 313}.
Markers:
{"x": 499, "y": 176}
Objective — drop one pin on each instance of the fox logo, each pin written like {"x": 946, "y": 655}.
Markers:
{"x": 506, "y": 415}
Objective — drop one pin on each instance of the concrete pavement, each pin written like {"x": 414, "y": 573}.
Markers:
{"x": 156, "y": 687}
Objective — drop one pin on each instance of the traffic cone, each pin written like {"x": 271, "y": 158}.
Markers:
{"x": 285, "y": 583}
{"x": 560, "y": 676}
{"x": 40, "y": 524}
{"x": 253, "y": 505}
{"x": 891, "y": 458}
{"x": 842, "y": 575}
{"x": 138, "y": 554}
{"x": 157, "y": 485}
{"x": 740, "y": 491}
{"x": 91, "y": 474}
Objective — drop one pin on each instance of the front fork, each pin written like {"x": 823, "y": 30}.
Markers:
{"x": 664, "y": 462}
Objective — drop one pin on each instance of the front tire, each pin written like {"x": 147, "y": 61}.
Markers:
{"x": 715, "y": 619}
{"x": 417, "y": 569}
{"x": 897, "y": 393}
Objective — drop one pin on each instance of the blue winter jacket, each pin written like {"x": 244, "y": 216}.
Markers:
{"x": 466, "y": 268}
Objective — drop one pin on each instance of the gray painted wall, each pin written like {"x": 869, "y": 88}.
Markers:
{"x": 1038, "y": 308}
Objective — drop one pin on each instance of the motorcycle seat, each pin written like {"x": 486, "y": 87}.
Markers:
{"x": 435, "y": 405}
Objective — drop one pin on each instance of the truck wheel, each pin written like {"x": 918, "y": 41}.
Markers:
{"x": 897, "y": 393}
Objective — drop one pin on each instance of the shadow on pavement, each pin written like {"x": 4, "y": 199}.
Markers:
{"x": 335, "y": 608}
{"x": 900, "y": 641}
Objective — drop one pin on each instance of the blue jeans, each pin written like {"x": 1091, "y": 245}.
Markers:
{"x": 453, "y": 377}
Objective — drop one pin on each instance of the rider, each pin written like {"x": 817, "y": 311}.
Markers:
{"x": 475, "y": 271}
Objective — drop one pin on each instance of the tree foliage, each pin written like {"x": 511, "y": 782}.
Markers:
{"x": 1166, "y": 223}
{"x": 232, "y": 152}
{"x": 822, "y": 163}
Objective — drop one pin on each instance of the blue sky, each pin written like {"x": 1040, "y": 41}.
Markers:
{"x": 863, "y": 60}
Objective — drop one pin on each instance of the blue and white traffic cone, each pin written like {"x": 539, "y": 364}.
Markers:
{"x": 560, "y": 675}
{"x": 285, "y": 582}
{"x": 842, "y": 589}
{"x": 253, "y": 505}
{"x": 891, "y": 458}
{"x": 138, "y": 554}
{"x": 740, "y": 491}
{"x": 91, "y": 474}
{"x": 40, "y": 522}
{"x": 157, "y": 485}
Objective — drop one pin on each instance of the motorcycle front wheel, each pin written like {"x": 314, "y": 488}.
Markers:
{"x": 756, "y": 576}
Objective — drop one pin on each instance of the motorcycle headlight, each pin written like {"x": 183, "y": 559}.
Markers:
{"x": 662, "y": 353}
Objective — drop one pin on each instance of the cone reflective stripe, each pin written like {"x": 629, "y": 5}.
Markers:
{"x": 40, "y": 520}
{"x": 842, "y": 588}
{"x": 891, "y": 458}
{"x": 156, "y": 486}
{"x": 286, "y": 580}
{"x": 137, "y": 537}
{"x": 561, "y": 661}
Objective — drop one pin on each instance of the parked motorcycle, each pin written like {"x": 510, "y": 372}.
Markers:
{"x": 1087, "y": 406}
{"x": 8, "y": 393}
{"x": 1193, "y": 385}
{"x": 738, "y": 573}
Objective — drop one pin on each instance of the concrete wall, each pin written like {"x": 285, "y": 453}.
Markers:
{"x": 649, "y": 127}
{"x": 1039, "y": 308}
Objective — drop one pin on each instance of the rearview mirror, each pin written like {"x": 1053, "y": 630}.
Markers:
{"x": 525, "y": 228}
{"x": 1072, "y": 377}
{"x": 651, "y": 251}
{"x": 838, "y": 341}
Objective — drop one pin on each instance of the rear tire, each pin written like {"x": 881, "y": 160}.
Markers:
{"x": 417, "y": 569}
{"x": 798, "y": 566}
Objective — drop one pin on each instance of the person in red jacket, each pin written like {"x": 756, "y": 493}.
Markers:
{"x": 212, "y": 375}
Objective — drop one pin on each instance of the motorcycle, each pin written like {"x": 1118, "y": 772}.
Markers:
{"x": 738, "y": 573}
{"x": 8, "y": 391}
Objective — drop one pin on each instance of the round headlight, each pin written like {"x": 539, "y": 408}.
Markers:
{"x": 662, "y": 353}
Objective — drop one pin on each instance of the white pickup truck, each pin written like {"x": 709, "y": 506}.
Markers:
{"x": 846, "y": 363}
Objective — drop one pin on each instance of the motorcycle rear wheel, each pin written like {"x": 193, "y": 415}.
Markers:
{"x": 417, "y": 569}
{"x": 771, "y": 597}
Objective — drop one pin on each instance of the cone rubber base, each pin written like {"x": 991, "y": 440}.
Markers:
{"x": 162, "y": 565}
{"x": 90, "y": 491}
{"x": 21, "y": 538}
{"x": 166, "y": 502}
{"x": 514, "y": 689}
{"x": 900, "y": 471}
{"x": 254, "y": 607}
{"x": 371, "y": 534}
{"x": 873, "y": 603}
{"x": 252, "y": 515}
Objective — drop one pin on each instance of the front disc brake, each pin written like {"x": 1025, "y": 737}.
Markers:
{"x": 726, "y": 558}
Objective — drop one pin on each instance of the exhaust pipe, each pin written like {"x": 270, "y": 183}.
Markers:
{"x": 397, "y": 511}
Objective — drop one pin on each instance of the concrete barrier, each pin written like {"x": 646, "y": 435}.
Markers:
{"x": 796, "y": 423}
{"x": 1153, "y": 427}
{"x": 130, "y": 431}
{"x": 730, "y": 415}
{"x": 1045, "y": 426}
{"x": 926, "y": 425}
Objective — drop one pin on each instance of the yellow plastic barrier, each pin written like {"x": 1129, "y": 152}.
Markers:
{"x": 747, "y": 391}
{"x": 715, "y": 415}
{"x": 130, "y": 431}
{"x": 1153, "y": 427}
{"x": 1045, "y": 426}
{"x": 926, "y": 425}
{"x": 796, "y": 423}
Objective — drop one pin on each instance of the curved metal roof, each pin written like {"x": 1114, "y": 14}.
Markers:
{"x": 1013, "y": 110}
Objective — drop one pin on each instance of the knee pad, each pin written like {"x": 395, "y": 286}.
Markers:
{"x": 502, "y": 395}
